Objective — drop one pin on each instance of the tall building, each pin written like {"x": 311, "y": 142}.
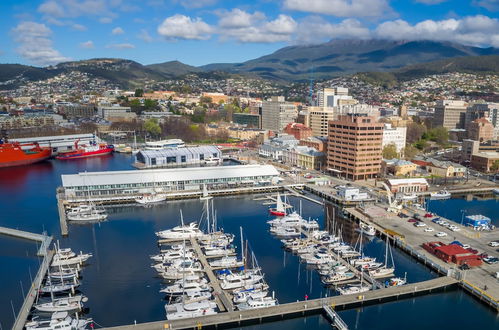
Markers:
{"x": 318, "y": 118}
{"x": 333, "y": 97}
{"x": 450, "y": 114}
{"x": 394, "y": 135}
{"x": 490, "y": 111}
{"x": 481, "y": 130}
{"x": 277, "y": 113}
{"x": 355, "y": 146}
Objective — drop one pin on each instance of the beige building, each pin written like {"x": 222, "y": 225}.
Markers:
{"x": 16, "y": 122}
{"x": 450, "y": 114}
{"x": 246, "y": 134}
{"x": 399, "y": 167}
{"x": 483, "y": 161}
{"x": 318, "y": 119}
{"x": 407, "y": 185}
{"x": 277, "y": 113}
{"x": 354, "y": 146}
{"x": 446, "y": 169}
{"x": 481, "y": 130}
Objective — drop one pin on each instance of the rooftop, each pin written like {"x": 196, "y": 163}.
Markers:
{"x": 408, "y": 181}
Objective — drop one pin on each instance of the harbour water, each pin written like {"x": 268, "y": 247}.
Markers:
{"x": 122, "y": 287}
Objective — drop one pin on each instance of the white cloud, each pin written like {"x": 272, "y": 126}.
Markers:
{"x": 192, "y": 4}
{"x": 105, "y": 20}
{"x": 185, "y": 27}
{"x": 79, "y": 27}
{"x": 145, "y": 36}
{"x": 102, "y": 9}
{"x": 314, "y": 29}
{"x": 121, "y": 46}
{"x": 490, "y": 5}
{"x": 117, "y": 30}
{"x": 431, "y": 2}
{"x": 87, "y": 44}
{"x": 246, "y": 27}
{"x": 35, "y": 43}
{"x": 341, "y": 8}
{"x": 471, "y": 30}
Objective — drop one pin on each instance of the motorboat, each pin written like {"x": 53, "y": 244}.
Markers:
{"x": 243, "y": 296}
{"x": 217, "y": 251}
{"x": 367, "y": 230}
{"x": 177, "y": 274}
{"x": 362, "y": 261}
{"x": 319, "y": 258}
{"x": 184, "y": 265}
{"x": 370, "y": 265}
{"x": 62, "y": 260}
{"x": 190, "y": 297}
{"x": 226, "y": 262}
{"x": 189, "y": 310}
{"x": 234, "y": 281}
{"x": 86, "y": 213}
{"x": 291, "y": 220}
{"x": 396, "y": 281}
{"x": 58, "y": 321}
{"x": 442, "y": 194}
{"x": 353, "y": 289}
{"x": 253, "y": 303}
{"x": 151, "y": 198}
{"x": 279, "y": 210}
{"x": 186, "y": 287}
{"x": 285, "y": 231}
{"x": 181, "y": 232}
{"x": 310, "y": 225}
{"x": 337, "y": 277}
{"x": 351, "y": 253}
{"x": 173, "y": 254}
{"x": 213, "y": 161}
{"x": 65, "y": 304}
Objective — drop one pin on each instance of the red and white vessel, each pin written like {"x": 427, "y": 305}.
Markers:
{"x": 85, "y": 151}
{"x": 279, "y": 210}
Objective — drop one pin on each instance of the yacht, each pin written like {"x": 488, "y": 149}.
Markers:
{"x": 186, "y": 287}
{"x": 181, "y": 232}
{"x": 213, "y": 161}
{"x": 362, "y": 261}
{"x": 243, "y": 296}
{"x": 353, "y": 289}
{"x": 86, "y": 213}
{"x": 291, "y": 220}
{"x": 381, "y": 272}
{"x": 226, "y": 262}
{"x": 63, "y": 260}
{"x": 65, "y": 304}
{"x": 218, "y": 251}
{"x": 319, "y": 258}
{"x": 189, "y": 310}
{"x": 59, "y": 287}
{"x": 367, "y": 230}
{"x": 151, "y": 198}
{"x": 279, "y": 209}
{"x": 370, "y": 265}
{"x": 285, "y": 231}
{"x": 58, "y": 321}
{"x": 234, "y": 281}
{"x": 396, "y": 281}
{"x": 337, "y": 277}
{"x": 173, "y": 254}
{"x": 442, "y": 194}
{"x": 64, "y": 274}
{"x": 252, "y": 303}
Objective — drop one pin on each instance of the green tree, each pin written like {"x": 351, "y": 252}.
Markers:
{"x": 134, "y": 103}
{"x": 410, "y": 151}
{"x": 205, "y": 100}
{"x": 438, "y": 134}
{"x": 152, "y": 127}
{"x": 139, "y": 92}
{"x": 390, "y": 151}
{"x": 414, "y": 132}
{"x": 150, "y": 104}
{"x": 495, "y": 166}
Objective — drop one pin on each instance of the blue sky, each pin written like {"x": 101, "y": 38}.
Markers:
{"x": 199, "y": 32}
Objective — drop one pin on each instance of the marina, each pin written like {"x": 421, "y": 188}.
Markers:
{"x": 143, "y": 221}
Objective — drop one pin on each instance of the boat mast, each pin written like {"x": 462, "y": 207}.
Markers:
{"x": 386, "y": 252}
{"x": 242, "y": 245}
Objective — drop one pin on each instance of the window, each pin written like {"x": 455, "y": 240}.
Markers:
{"x": 153, "y": 161}
{"x": 171, "y": 159}
{"x": 201, "y": 156}
{"x": 183, "y": 159}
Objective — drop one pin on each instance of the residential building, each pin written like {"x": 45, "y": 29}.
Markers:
{"x": 355, "y": 146}
{"x": 248, "y": 119}
{"x": 318, "y": 118}
{"x": 398, "y": 167}
{"x": 216, "y": 97}
{"x": 303, "y": 157}
{"x": 76, "y": 110}
{"x": 245, "y": 134}
{"x": 445, "y": 169}
{"x": 450, "y": 114}
{"x": 333, "y": 97}
{"x": 277, "y": 113}
{"x": 407, "y": 185}
{"x": 318, "y": 143}
{"x": 489, "y": 111}
{"x": 299, "y": 131}
{"x": 468, "y": 148}
{"x": 395, "y": 136}
{"x": 27, "y": 121}
{"x": 483, "y": 161}
{"x": 481, "y": 130}
{"x": 116, "y": 113}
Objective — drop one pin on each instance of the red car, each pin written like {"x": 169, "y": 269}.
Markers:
{"x": 472, "y": 250}
{"x": 412, "y": 220}
{"x": 428, "y": 215}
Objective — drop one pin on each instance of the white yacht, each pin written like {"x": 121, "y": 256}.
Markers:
{"x": 381, "y": 272}
{"x": 213, "y": 161}
{"x": 285, "y": 231}
{"x": 442, "y": 194}
{"x": 179, "y": 265}
{"x": 227, "y": 262}
{"x": 353, "y": 289}
{"x": 86, "y": 213}
{"x": 367, "y": 230}
{"x": 65, "y": 304}
{"x": 189, "y": 310}
{"x": 337, "y": 277}
{"x": 243, "y": 296}
{"x": 262, "y": 302}
{"x": 218, "y": 251}
{"x": 171, "y": 255}
{"x": 58, "y": 321}
{"x": 186, "y": 287}
{"x": 151, "y": 198}
{"x": 63, "y": 260}
{"x": 319, "y": 259}
{"x": 234, "y": 281}
{"x": 59, "y": 287}
{"x": 291, "y": 220}
{"x": 362, "y": 261}
{"x": 181, "y": 232}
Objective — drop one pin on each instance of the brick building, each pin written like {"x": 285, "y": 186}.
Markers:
{"x": 354, "y": 146}
{"x": 299, "y": 131}
{"x": 481, "y": 130}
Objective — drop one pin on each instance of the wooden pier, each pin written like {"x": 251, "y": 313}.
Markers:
{"x": 299, "y": 308}
{"x": 62, "y": 212}
{"x": 44, "y": 239}
{"x": 336, "y": 320}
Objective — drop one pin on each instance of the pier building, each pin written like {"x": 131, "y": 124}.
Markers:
{"x": 104, "y": 184}
{"x": 178, "y": 157}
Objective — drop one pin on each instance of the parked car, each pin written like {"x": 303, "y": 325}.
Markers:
{"x": 441, "y": 234}
{"x": 494, "y": 243}
{"x": 428, "y": 215}
{"x": 483, "y": 255}
{"x": 472, "y": 250}
{"x": 420, "y": 224}
{"x": 466, "y": 246}
{"x": 464, "y": 267}
{"x": 412, "y": 220}
{"x": 491, "y": 260}
{"x": 454, "y": 228}
{"x": 428, "y": 229}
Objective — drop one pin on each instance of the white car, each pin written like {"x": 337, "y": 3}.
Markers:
{"x": 420, "y": 224}
{"x": 494, "y": 243}
{"x": 428, "y": 229}
{"x": 466, "y": 246}
{"x": 441, "y": 234}
{"x": 454, "y": 228}
{"x": 444, "y": 223}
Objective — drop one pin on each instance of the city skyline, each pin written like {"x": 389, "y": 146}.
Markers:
{"x": 48, "y": 32}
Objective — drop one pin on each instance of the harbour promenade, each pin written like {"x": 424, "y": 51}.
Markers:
{"x": 44, "y": 239}
{"x": 299, "y": 308}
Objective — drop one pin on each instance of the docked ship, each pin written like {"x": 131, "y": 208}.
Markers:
{"x": 85, "y": 151}
{"x": 17, "y": 154}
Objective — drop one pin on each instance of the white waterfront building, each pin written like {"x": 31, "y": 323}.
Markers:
{"x": 60, "y": 143}
{"x": 103, "y": 184}
{"x": 396, "y": 136}
{"x": 179, "y": 157}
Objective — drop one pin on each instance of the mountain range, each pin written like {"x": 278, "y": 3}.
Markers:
{"x": 402, "y": 59}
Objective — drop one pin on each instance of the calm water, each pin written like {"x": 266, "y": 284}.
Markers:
{"x": 122, "y": 287}
{"x": 454, "y": 208}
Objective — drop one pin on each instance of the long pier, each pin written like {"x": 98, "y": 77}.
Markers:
{"x": 299, "y": 308}
{"x": 44, "y": 239}
{"x": 224, "y": 302}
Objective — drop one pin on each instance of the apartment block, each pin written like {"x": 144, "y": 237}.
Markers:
{"x": 277, "y": 113}
{"x": 450, "y": 114}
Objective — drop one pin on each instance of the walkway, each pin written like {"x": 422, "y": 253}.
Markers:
{"x": 44, "y": 239}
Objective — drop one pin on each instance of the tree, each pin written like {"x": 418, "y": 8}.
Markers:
{"x": 495, "y": 166}
{"x": 139, "y": 92}
{"x": 414, "y": 132}
{"x": 152, "y": 127}
{"x": 390, "y": 151}
{"x": 150, "y": 104}
{"x": 438, "y": 134}
{"x": 205, "y": 100}
{"x": 410, "y": 152}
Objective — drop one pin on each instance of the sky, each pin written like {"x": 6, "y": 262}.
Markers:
{"x": 198, "y": 32}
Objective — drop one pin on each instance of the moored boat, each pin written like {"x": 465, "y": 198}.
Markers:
{"x": 442, "y": 194}
{"x": 16, "y": 154}
{"x": 85, "y": 151}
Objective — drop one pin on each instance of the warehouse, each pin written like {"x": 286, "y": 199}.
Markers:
{"x": 167, "y": 180}
{"x": 178, "y": 157}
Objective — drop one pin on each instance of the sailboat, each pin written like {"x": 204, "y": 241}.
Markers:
{"x": 279, "y": 210}
{"x": 64, "y": 304}
{"x": 154, "y": 196}
{"x": 205, "y": 195}
{"x": 88, "y": 212}
{"x": 384, "y": 271}
{"x": 59, "y": 321}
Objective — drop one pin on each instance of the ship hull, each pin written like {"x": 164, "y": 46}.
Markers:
{"x": 21, "y": 159}
{"x": 80, "y": 155}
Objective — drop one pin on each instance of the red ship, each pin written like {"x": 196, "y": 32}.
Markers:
{"x": 87, "y": 151}
{"x": 13, "y": 154}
